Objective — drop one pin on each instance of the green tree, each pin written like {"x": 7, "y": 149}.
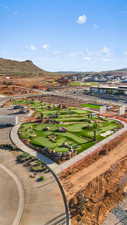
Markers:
{"x": 94, "y": 131}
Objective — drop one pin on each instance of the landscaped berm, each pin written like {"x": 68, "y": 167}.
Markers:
{"x": 60, "y": 132}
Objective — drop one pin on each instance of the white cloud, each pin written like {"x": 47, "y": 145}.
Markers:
{"x": 45, "y": 46}
{"x": 125, "y": 53}
{"x": 82, "y": 19}
{"x": 107, "y": 59}
{"x": 87, "y": 58}
{"x": 31, "y": 47}
{"x": 103, "y": 54}
{"x": 105, "y": 50}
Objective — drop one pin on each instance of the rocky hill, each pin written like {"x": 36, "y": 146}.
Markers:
{"x": 10, "y": 67}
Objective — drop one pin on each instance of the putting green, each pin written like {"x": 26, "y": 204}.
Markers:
{"x": 67, "y": 128}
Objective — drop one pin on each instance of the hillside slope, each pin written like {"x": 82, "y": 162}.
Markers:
{"x": 11, "y": 67}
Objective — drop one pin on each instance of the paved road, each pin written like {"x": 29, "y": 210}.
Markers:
{"x": 11, "y": 190}
{"x": 9, "y": 198}
{"x": 98, "y": 100}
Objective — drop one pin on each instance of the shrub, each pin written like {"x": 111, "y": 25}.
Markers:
{"x": 40, "y": 179}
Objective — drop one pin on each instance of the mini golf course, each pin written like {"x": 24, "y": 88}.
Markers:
{"x": 63, "y": 130}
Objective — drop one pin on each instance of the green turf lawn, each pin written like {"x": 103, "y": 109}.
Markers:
{"x": 79, "y": 124}
{"x": 91, "y": 106}
{"x": 77, "y": 83}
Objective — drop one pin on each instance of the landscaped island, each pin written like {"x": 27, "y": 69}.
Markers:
{"x": 61, "y": 132}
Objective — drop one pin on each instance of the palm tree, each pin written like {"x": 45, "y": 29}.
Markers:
{"x": 95, "y": 131}
{"x": 42, "y": 116}
{"x": 90, "y": 116}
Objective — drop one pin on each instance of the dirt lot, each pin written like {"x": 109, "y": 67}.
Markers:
{"x": 95, "y": 189}
{"x": 61, "y": 100}
{"x": 18, "y": 85}
{"x": 91, "y": 205}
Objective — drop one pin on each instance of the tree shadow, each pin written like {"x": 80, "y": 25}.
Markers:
{"x": 5, "y": 125}
{"x": 46, "y": 184}
{"x": 58, "y": 220}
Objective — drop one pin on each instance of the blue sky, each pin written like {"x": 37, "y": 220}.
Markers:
{"x": 57, "y": 35}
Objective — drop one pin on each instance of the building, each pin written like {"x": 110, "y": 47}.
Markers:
{"x": 109, "y": 90}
